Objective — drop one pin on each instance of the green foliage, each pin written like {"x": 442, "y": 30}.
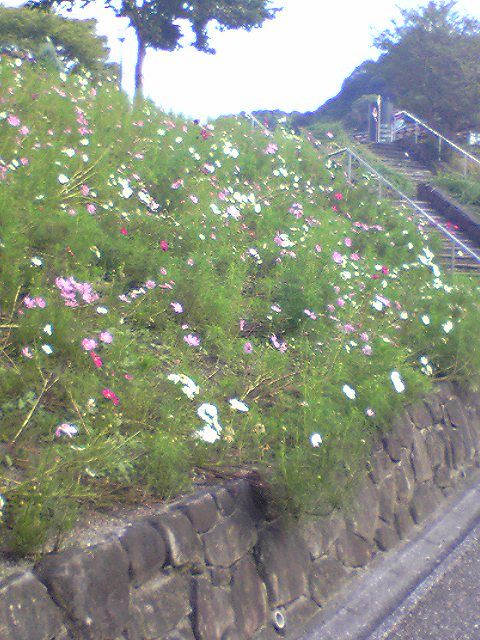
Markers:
{"x": 180, "y": 300}
{"x": 446, "y": 47}
{"x": 465, "y": 189}
{"x": 52, "y": 38}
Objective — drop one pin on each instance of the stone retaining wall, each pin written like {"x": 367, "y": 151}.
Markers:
{"x": 217, "y": 566}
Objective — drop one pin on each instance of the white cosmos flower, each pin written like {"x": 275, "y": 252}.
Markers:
{"x": 47, "y": 349}
{"x": 425, "y": 319}
{"x": 316, "y": 440}
{"x": 207, "y": 434}
{"x": 63, "y": 179}
{"x": 102, "y": 310}
{"x": 404, "y": 315}
{"x": 349, "y": 392}
{"x": 48, "y": 329}
{"x": 447, "y": 326}
{"x": 189, "y": 388}
{"x": 397, "y": 382}
{"x": 36, "y": 261}
{"x": 126, "y": 192}
{"x": 209, "y": 413}
{"x": 238, "y": 405}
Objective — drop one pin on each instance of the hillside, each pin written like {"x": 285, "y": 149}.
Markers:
{"x": 178, "y": 302}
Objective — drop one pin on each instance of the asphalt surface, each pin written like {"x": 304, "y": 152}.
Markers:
{"x": 447, "y": 606}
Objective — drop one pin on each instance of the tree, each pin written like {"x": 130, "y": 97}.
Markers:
{"x": 45, "y": 35}
{"x": 156, "y": 22}
{"x": 430, "y": 63}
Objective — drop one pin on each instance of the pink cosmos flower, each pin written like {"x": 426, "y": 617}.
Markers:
{"x": 340, "y": 302}
{"x": 278, "y": 344}
{"x": 177, "y": 307}
{"x": 241, "y": 324}
{"x": 150, "y": 284}
{"x": 89, "y": 344}
{"x": 348, "y": 242}
{"x": 66, "y": 429}
{"x": 364, "y": 336}
{"x": 108, "y": 394}
{"x": 310, "y": 314}
{"x": 367, "y": 350}
{"x": 124, "y": 231}
{"x": 164, "y": 245}
{"x": 337, "y": 257}
{"x": 84, "y": 190}
{"x": 29, "y": 302}
{"x": 248, "y": 347}
{"x": 354, "y": 257}
{"x": 194, "y": 199}
{"x": 338, "y": 196}
{"x": 192, "y": 340}
{"x": 177, "y": 184}
{"x": 348, "y": 328}
{"x": 276, "y": 308}
{"x": 24, "y": 130}
{"x": 318, "y": 248}
{"x": 26, "y": 351}
{"x": 24, "y": 161}
{"x": 271, "y": 148}
{"x": 13, "y": 120}
{"x": 97, "y": 361}
{"x": 40, "y": 302}
{"x": 91, "y": 208}
{"x": 106, "y": 337}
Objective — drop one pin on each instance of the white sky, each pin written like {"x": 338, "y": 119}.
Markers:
{"x": 294, "y": 62}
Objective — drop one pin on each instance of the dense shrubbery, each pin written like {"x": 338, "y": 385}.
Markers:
{"x": 179, "y": 300}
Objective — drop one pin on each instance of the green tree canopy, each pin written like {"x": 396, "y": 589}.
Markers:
{"x": 156, "y": 22}
{"x": 46, "y": 34}
{"x": 431, "y": 64}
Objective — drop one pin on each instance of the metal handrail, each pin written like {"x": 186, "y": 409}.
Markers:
{"x": 439, "y": 135}
{"x": 411, "y": 203}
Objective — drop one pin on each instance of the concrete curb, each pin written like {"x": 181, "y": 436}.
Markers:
{"x": 362, "y": 607}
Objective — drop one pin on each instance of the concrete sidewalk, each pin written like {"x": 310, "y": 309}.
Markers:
{"x": 380, "y": 603}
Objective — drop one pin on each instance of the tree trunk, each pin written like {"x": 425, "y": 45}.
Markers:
{"x": 141, "y": 51}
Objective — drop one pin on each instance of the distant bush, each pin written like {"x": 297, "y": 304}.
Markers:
{"x": 178, "y": 301}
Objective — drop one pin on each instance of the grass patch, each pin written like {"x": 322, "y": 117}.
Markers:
{"x": 178, "y": 301}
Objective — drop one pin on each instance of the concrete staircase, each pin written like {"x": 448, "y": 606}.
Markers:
{"x": 452, "y": 256}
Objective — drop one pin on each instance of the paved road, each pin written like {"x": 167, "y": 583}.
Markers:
{"x": 447, "y": 606}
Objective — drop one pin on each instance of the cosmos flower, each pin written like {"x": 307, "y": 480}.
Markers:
{"x": 238, "y": 405}
{"x": 189, "y": 387}
{"x": 316, "y": 440}
{"x": 66, "y": 429}
{"x": 349, "y": 392}
{"x": 192, "y": 340}
{"x": 397, "y": 382}
{"x": 89, "y": 343}
{"x": 177, "y": 307}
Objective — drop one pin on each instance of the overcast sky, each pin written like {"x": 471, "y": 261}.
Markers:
{"x": 294, "y": 62}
